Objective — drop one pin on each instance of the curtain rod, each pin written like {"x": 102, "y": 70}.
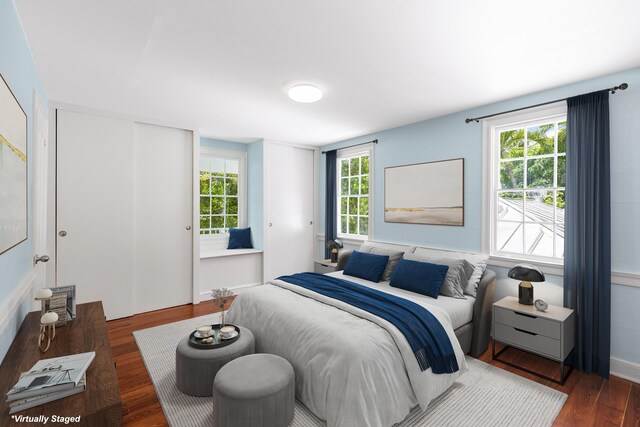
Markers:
{"x": 375, "y": 141}
{"x": 613, "y": 90}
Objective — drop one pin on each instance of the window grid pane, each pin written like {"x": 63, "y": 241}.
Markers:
{"x": 353, "y": 192}
{"x": 531, "y": 159}
{"x": 219, "y": 210}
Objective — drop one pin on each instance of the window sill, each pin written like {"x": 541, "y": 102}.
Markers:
{"x": 348, "y": 240}
{"x": 547, "y": 267}
{"x": 219, "y": 253}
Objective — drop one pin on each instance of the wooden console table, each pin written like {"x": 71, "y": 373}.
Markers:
{"x": 99, "y": 404}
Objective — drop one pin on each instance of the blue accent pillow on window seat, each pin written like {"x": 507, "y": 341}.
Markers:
{"x": 366, "y": 266}
{"x": 240, "y": 238}
{"x": 419, "y": 277}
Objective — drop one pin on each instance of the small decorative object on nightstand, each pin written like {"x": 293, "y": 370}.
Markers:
{"x": 541, "y": 305}
{"x": 527, "y": 273}
{"x": 549, "y": 334}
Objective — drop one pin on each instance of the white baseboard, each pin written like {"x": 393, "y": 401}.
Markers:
{"x": 623, "y": 369}
{"x": 10, "y": 307}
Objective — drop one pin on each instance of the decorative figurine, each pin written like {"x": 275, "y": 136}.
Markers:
{"x": 47, "y": 330}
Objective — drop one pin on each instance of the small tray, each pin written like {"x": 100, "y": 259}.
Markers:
{"x": 217, "y": 341}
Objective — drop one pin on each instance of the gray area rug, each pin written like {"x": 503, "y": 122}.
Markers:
{"x": 484, "y": 396}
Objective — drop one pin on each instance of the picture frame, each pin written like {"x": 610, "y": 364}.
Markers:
{"x": 425, "y": 193}
{"x": 13, "y": 170}
{"x": 70, "y": 293}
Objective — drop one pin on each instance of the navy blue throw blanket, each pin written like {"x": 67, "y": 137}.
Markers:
{"x": 426, "y": 336}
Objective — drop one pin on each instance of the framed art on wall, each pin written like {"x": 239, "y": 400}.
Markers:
{"x": 425, "y": 193}
{"x": 13, "y": 170}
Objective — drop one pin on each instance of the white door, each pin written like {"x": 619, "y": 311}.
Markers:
{"x": 289, "y": 195}
{"x": 163, "y": 229}
{"x": 40, "y": 171}
{"x": 94, "y": 208}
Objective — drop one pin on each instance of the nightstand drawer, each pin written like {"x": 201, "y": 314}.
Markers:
{"x": 528, "y": 322}
{"x": 324, "y": 267}
{"x": 521, "y": 338}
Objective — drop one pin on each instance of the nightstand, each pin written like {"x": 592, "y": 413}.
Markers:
{"x": 549, "y": 333}
{"x": 325, "y": 266}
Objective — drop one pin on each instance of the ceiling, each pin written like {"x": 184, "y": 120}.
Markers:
{"x": 224, "y": 66}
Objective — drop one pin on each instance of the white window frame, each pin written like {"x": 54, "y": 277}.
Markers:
{"x": 348, "y": 153}
{"x": 491, "y": 178}
{"x": 241, "y": 156}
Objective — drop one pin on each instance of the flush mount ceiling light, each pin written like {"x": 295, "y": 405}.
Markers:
{"x": 305, "y": 93}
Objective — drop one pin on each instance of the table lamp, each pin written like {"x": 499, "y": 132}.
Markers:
{"x": 526, "y": 273}
{"x": 334, "y": 246}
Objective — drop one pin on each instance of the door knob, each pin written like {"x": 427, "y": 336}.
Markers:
{"x": 62, "y": 233}
{"x": 40, "y": 258}
{"x": 188, "y": 227}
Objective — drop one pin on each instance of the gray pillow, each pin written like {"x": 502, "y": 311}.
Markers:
{"x": 460, "y": 270}
{"x": 394, "y": 258}
{"x": 479, "y": 262}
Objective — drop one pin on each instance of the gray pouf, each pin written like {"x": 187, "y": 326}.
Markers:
{"x": 196, "y": 368}
{"x": 254, "y": 391}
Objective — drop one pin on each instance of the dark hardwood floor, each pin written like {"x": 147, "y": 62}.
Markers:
{"x": 592, "y": 401}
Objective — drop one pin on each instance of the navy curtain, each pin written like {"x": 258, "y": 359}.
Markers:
{"x": 587, "y": 244}
{"x": 330, "y": 202}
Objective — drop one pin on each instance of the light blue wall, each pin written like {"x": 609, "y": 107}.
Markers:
{"x": 450, "y": 137}
{"x": 255, "y": 197}
{"x": 19, "y": 71}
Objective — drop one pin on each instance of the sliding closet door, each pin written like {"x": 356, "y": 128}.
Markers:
{"x": 163, "y": 229}
{"x": 289, "y": 194}
{"x": 94, "y": 208}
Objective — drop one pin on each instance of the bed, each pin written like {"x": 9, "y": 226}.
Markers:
{"x": 352, "y": 367}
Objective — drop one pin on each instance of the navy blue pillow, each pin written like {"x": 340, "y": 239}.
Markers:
{"x": 419, "y": 277}
{"x": 366, "y": 266}
{"x": 240, "y": 238}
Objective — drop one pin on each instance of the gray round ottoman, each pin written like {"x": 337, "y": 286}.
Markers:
{"x": 254, "y": 391}
{"x": 196, "y": 368}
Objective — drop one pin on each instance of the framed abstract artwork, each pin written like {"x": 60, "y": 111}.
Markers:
{"x": 425, "y": 193}
{"x": 13, "y": 170}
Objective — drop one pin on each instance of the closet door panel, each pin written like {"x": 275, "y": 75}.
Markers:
{"x": 303, "y": 170}
{"x": 94, "y": 209}
{"x": 289, "y": 195}
{"x": 163, "y": 228}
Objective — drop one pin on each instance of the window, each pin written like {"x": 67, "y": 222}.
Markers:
{"x": 528, "y": 164}
{"x": 221, "y": 191}
{"x": 354, "y": 178}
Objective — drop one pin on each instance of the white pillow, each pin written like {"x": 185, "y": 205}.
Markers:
{"x": 479, "y": 262}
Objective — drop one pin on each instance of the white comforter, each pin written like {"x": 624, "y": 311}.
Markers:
{"x": 352, "y": 368}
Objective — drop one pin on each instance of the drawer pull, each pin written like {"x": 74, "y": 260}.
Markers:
{"x": 526, "y": 315}
{"x": 526, "y": 332}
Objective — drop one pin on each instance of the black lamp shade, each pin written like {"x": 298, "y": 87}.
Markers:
{"x": 334, "y": 244}
{"x": 527, "y": 273}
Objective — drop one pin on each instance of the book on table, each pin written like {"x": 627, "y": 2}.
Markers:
{"x": 53, "y": 375}
{"x": 30, "y": 402}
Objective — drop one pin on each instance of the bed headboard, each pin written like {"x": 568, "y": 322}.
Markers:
{"x": 482, "y": 312}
